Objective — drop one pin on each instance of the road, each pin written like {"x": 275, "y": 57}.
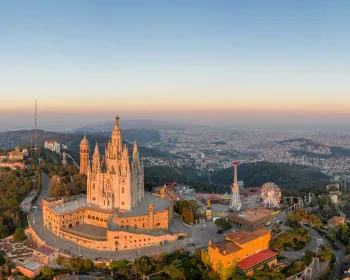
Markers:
{"x": 26, "y": 204}
{"x": 199, "y": 234}
{"x": 68, "y": 155}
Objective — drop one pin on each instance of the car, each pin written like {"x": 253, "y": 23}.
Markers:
{"x": 220, "y": 231}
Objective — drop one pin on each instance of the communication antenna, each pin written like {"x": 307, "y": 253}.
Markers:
{"x": 36, "y": 128}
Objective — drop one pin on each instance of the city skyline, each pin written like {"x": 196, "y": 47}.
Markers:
{"x": 227, "y": 62}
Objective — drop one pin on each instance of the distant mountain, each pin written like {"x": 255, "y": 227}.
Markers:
{"x": 284, "y": 175}
{"x": 138, "y": 124}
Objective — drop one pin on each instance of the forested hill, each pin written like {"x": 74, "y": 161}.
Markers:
{"x": 23, "y": 137}
{"x": 284, "y": 175}
{"x": 253, "y": 174}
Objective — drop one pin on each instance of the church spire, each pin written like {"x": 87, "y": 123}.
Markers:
{"x": 96, "y": 164}
{"x": 135, "y": 151}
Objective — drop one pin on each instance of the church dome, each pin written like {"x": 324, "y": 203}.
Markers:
{"x": 84, "y": 141}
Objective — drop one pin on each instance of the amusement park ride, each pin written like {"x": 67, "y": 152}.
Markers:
{"x": 271, "y": 196}
{"x": 235, "y": 204}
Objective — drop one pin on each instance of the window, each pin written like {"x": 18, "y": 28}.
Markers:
{"x": 93, "y": 199}
{"x": 93, "y": 186}
{"x": 97, "y": 218}
{"x": 123, "y": 189}
{"x": 89, "y": 216}
{"x": 123, "y": 203}
{"x": 157, "y": 224}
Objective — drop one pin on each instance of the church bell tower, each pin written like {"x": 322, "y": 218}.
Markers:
{"x": 84, "y": 155}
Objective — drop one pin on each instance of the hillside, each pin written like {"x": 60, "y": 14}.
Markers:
{"x": 284, "y": 175}
{"x": 72, "y": 140}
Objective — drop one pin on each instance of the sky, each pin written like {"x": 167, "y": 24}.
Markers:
{"x": 209, "y": 62}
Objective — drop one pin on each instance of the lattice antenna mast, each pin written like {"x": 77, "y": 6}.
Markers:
{"x": 236, "y": 204}
{"x": 36, "y": 127}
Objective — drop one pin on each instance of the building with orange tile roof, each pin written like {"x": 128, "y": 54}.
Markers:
{"x": 224, "y": 255}
{"x": 333, "y": 222}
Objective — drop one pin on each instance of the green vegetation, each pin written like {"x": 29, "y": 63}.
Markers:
{"x": 19, "y": 234}
{"x": 14, "y": 187}
{"x": 65, "y": 180}
{"x": 223, "y": 224}
{"x": 326, "y": 208}
{"x": 48, "y": 272}
{"x": 298, "y": 265}
{"x": 177, "y": 265}
{"x": 189, "y": 210}
{"x": 295, "y": 240}
{"x": 284, "y": 175}
{"x": 325, "y": 253}
{"x": 300, "y": 215}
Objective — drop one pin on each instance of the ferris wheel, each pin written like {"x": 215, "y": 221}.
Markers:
{"x": 271, "y": 195}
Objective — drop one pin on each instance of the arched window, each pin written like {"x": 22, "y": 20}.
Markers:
{"x": 93, "y": 217}
{"x": 123, "y": 189}
{"x": 93, "y": 198}
{"x": 89, "y": 216}
{"x": 157, "y": 224}
{"x": 97, "y": 218}
{"x": 123, "y": 203}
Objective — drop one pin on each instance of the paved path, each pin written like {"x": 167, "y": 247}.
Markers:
{"x": 200, "y": 235}
{"x": 26, "y": 204}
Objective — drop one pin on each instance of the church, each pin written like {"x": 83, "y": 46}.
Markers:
{"x": 116, "y": 213}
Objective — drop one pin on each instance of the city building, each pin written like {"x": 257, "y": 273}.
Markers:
{"x": 17, "y": 155}
{"x": 116, "y": 213}
{"x": 46, "y": 254}
{"x": 252, "y": 218}
{"x": 53, "y": 146}
{"x": 333, "y": 222}
{"x": 14, "y": 165}
{"x": 242, "y": 250}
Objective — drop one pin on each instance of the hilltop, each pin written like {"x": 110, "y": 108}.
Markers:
{"x": 72, "y": 140}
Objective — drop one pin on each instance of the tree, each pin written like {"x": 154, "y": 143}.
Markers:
{"x": 143, "y": 266}
{"x": 19, "y": 235}
{"x": 223, "y": 224}
{"x": 315, "y": 221}
{"x": 175, "y": 272}
{"x": 48, "y": 272}
{"x": 325, "y": 253}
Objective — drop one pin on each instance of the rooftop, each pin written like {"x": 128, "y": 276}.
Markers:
{"x": 256, "y": 259}
{"x": 74, "y": 203}
{"x": 45, "y": 250}
{"x": 336, "y": 220}
{"x": 252, "y": 216}
{"x": 142, "y": 208}
{"x": 32, "y": 264}
{"x": 242, "y": 237}
{"x": 87, "y": 230}
{"x": 226, "y": 245}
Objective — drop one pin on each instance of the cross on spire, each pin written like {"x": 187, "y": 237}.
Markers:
{"x": 117, "y": 120}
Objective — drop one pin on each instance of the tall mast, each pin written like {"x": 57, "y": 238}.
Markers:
{"x": 36, "y": 128}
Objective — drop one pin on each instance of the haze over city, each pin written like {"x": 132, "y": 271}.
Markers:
{"x": 222, "y": 63}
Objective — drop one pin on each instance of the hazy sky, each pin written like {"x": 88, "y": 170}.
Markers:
{"x": 202, "y": 61}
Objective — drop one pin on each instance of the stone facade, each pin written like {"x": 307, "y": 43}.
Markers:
{"x": 116, "y": 213}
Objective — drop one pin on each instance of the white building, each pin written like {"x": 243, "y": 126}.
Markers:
{"x": 53, "y": 146}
